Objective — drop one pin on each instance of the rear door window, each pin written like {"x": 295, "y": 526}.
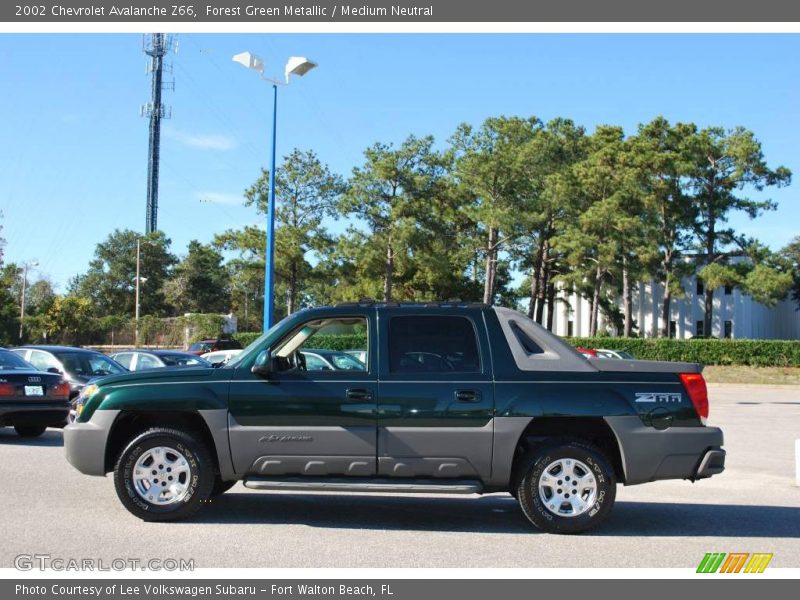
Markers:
{"x": 124, "y": 359}
{"x": 146, "y": 361}
{"x": 43, "y": 360}
{"x": 433, "y": 344}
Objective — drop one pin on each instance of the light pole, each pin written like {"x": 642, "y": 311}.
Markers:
{"x": 139, "y": 280}
{"x": 32, "y": 264}
{"x": 296, "y": 65}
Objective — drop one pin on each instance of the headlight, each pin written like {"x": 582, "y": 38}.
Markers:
{"x": 87, "y": 392}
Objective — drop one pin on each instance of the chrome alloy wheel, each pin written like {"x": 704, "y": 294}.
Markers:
{"x": 567, "y": 487}
{"x": 161, "y": 476}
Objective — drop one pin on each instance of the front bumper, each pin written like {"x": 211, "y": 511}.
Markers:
{"x": 49, "y": 413}
{"x": 649, "y": 454}
{"x": 85, "y": 443}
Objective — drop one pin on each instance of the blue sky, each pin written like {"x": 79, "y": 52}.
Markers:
{"x": 74, "y": 149}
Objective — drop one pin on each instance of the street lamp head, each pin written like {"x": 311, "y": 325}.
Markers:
{"x": 251, "y": 61}
{"x": 298, "y": 65}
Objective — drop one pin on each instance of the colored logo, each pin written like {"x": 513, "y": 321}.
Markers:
{"x": 735, "y": 562}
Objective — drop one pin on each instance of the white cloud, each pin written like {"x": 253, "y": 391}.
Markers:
{"x": 220, "y": 198}
{"x": 201, "y": 141}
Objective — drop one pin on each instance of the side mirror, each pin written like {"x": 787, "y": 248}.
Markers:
{"x": 263, "y": 364}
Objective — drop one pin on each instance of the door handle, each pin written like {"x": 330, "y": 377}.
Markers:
{"x": 359, "y": 394}
{"x": 467, "y": 396}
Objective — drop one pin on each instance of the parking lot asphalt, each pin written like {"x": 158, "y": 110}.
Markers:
{"x": 47, "y": 507}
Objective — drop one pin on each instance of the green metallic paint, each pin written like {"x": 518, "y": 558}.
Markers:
{"x": 398, "y": 400}
{"x": 179, "y": 389}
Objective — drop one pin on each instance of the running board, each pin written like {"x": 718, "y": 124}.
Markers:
{"x": 410, "y": 486}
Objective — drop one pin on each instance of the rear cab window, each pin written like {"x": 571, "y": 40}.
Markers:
{"x": 433, "y": 345}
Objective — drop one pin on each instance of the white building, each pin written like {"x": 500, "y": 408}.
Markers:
{"x": 735, "y": 314}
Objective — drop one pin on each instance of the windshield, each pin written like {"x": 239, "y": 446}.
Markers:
{"x": 10, "y": 361}
{"x": 88, "y": 364}
{"x": 183, "y": 360}
{"x": 201, "y": 347}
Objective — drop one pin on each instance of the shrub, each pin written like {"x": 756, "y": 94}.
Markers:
{"x": 245, "y": 338}
{"x": 756, "y": 353}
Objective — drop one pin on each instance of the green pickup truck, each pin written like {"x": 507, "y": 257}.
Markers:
{"x": 445, "y": 398}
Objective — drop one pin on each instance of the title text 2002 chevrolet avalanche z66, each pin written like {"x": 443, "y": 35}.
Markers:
{"x": 456, "y": 398}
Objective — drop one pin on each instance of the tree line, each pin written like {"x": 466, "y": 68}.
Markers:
{"x": 514, "y": 198}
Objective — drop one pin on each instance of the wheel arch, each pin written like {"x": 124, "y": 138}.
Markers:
{"x": 593, "y": 430}
{"x": 130, "y": 423}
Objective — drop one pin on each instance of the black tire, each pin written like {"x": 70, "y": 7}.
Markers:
{"x": 220, "y": 486}
{"x": 30, "y": 431}
{"x": 531, "y": 469}
{"x": 199, "y": 480}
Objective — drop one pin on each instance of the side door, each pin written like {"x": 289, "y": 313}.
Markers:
{"x": 435, "y": 396}
{"x": 307, "y": 421}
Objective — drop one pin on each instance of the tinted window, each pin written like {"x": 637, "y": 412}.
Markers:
{"x": 124, "y": 359}
{"x": 9, "y": 360}
{"x": 88, "y": 364}
{"x": 524, "y": 340}
{"x": 146, "y": 361}
{"x": 183, "y": 360}
{"x": 43, "y": 361}
{"x": 432, "y": 345}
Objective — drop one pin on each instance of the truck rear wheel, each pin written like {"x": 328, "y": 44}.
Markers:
{"x": 566, "y": 487}
{"x": 164, "y": 475}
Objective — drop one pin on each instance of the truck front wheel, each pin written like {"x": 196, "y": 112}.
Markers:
{"x": 566, "y": 487}
{"x": 164, "y": 475}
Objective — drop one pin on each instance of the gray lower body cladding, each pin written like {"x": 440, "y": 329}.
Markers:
{"x": 401, "y": 452}
{"x": 649, "y": 454}
{"x": 355, "y": 484}
{"x": 85, "y": 443}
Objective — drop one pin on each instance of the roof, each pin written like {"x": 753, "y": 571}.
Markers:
{"x": 454, "y": 303}
{"x": 158, "y": 352}
{"x": 47, "y": 348}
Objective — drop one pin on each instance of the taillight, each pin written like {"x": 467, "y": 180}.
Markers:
{"x": 695, "y": 386}
{"x": 6, "y": 389}
{"x": 61, "y": 389}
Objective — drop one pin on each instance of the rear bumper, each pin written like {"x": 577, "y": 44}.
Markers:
{"x": 51, "y": 414}
{"x": 712, "y": 463}
{"x": 85, "y": 443}
{"x": 649, "y": 454}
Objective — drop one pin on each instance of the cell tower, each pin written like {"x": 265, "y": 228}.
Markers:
{"x": 156, "y": 46}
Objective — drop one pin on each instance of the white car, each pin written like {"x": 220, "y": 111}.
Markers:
{"x": 618, "y": 354}
{"x": 221, "y": 357}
